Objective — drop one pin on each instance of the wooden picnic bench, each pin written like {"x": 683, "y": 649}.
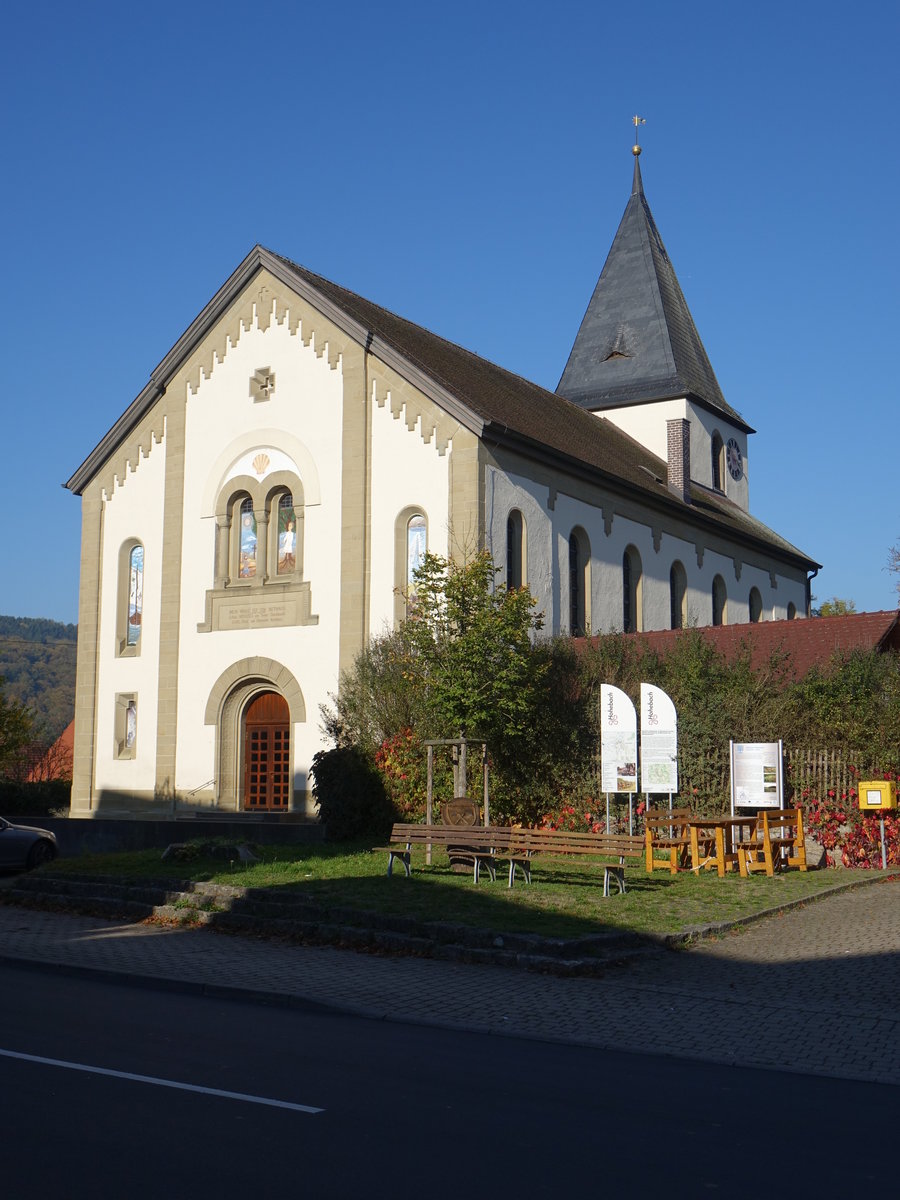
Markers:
{"x": 667, "y": 838}
{"x": 517, "y": 847}
{"x": 777, "y": 842}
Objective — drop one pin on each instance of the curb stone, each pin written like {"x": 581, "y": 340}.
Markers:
{"x": 387, "y": 935}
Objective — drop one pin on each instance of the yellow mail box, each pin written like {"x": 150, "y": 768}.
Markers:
{"x": 878, "y": 795}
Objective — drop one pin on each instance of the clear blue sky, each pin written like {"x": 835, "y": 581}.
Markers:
{"x": 466, "y": 166}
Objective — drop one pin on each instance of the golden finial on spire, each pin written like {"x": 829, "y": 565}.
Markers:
{"x": 636, "y": 121}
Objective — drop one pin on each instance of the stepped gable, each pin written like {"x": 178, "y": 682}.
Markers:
{"x": 638, "y": 342}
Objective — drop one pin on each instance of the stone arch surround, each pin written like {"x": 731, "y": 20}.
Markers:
{"x": 228, "y": 700}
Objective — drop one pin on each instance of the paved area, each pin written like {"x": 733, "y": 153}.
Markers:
{"x": 812, "y": 990}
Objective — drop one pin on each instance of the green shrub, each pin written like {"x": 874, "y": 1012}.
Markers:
{"x": 50, "y": 798}
{"x": 350, "y": 794}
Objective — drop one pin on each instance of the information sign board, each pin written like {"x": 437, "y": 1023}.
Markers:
{"x": 756, "y": 775}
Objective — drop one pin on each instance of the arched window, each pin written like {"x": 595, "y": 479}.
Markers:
{"x": 515, "y": 550}
{"x": 792, "y": 611}
{"x": 287, "y": 535}
{"x": 135, "y": 596}
{"x": 718, "y": 462}
{"x": 130, "y": 605}
{"x": 410, "y": 548}
{"x": 579, "y": 583}
{"x": 632, "y": 591}
{"x": 677, "y": 596}
{"x": 247, "y": 541}
{"x": 719, "y": 601}
{"x": 416, "y": 546}
{"x": 755, "y": 605}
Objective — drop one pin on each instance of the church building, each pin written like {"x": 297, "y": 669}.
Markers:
{"x": 255, "y": 515}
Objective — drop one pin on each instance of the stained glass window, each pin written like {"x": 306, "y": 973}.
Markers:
{"x": 130, "y": 724}
{"x": 415, "y": 547}
{"x": 287, "y": 535}
{"x": 247, "y": 551}
{"x": 135, "y": 595}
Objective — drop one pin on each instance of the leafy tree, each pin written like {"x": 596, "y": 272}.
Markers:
{"x": 835, "y": 607}
{"x": 15, "y": 733}
{"x": 471, "y": 647}
{"x": 464, "y": 664}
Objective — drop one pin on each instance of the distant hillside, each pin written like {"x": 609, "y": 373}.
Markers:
{"x": 37, "y": 662}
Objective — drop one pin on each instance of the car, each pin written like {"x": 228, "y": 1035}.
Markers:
{"x": 23, "y": 847}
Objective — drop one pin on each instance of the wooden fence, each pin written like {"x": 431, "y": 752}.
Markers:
{"x": 806, "y": 770}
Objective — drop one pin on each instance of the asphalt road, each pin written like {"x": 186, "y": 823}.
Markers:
{"x": 402, "y": 1107}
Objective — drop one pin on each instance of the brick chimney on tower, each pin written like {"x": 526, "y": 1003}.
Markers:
{"x": 678, "y": 449}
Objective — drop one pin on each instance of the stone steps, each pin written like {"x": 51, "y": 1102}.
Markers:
{"x": 285, "y": 915}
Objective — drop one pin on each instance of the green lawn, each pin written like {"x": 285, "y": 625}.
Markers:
{"x": 565, "y": 900}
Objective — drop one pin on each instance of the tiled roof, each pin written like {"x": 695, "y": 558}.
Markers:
{"x": 638, "y": 341}
{"x": 505, "y": 408}
{"x": 809, "y": 642}
{"x": 514, "y": 409}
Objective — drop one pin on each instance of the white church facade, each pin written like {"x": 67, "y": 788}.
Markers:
{"x": 249, "y": 522}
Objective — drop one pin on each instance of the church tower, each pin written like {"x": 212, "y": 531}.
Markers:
{"x": 638, "y": 359}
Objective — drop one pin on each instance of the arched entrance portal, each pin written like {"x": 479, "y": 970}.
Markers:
{"x": 267, "y": 753}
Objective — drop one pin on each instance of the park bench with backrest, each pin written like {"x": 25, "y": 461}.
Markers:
{"x": 487, "y": 846}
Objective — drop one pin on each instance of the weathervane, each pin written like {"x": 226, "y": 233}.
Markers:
{"x": 636, "y": 122}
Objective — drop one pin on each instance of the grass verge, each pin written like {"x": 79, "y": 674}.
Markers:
{"x": 564, "y": 901}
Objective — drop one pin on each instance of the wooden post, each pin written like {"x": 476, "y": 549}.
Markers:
{"x": 463, "y": 782}
{"x": 429, "y": 798}
{"x": 487, "y": 794}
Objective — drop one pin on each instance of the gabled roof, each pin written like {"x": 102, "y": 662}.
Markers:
{"x": 501, "y": 407}
{"x": 809, "y": 642}
{"x": 638, "y": 341}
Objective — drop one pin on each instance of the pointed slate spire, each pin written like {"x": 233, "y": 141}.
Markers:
{"x": 638, "y": 342}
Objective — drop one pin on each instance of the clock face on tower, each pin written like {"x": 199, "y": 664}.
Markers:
{"x": 734, "y": 459}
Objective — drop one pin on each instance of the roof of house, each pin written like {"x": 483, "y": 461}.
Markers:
{"x": 638, "y": 341}
{"x": 55, "y": 762}
{"x": 501, "y": 407}
{"x": 809, "y": 642}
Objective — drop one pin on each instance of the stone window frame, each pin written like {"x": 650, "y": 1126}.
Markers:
{"x": 121, "y": 749}
{"x": 123, "y": 649}
{"x": 401, "y": 553}
{"x": 719, "y": 601}
{"x": 516, "y": 550}
{"x": 632, "y": 590}
{"x": 265, "y": 496}
{"x": 579, "y": 582}
{"x": 677, "y": 595}
{"x": 755, "y": 606}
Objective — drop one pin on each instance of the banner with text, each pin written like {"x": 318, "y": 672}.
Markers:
{"x": 659, "y": 741}
{"x": 618, "y": 741}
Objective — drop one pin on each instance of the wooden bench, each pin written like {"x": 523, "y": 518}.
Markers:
{"x": 524, "y": 844}
{"x": 504, "y": 843}
{"x": 466, "y": 837}
{"x": 777, "y": 842}
{"x": 667, "y": 838}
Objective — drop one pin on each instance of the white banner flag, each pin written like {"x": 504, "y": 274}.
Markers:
{"x": 618, "y": 741}
{"x": 659, "y": 741}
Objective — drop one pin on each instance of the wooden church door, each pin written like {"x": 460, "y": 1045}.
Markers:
{"x": 267, "y": 754}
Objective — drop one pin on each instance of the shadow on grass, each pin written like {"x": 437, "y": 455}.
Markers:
{"x": 346, "y": 885}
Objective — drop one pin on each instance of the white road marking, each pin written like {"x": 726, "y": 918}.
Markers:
{"x": 169, "y": 1083}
